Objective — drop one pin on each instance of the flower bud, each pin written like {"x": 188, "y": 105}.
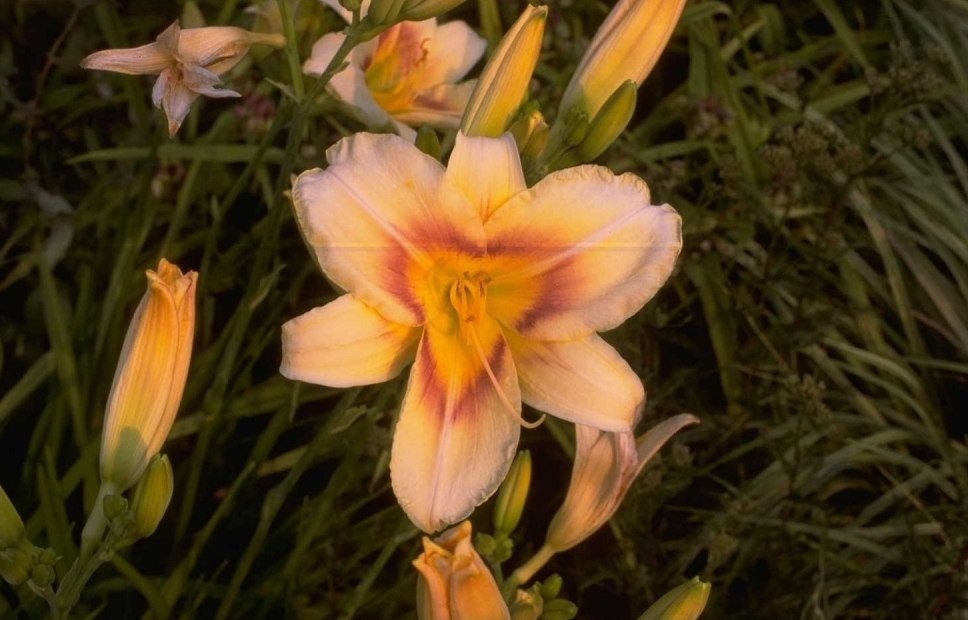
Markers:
{"x": 527, "y": 605}
{"x": 453, "y": 582}
{"x": 512, "y": 495}
{"x": 11, "y": 525}
{"x": 605, "y": 466}
{"x": 150, "y": 376}
{"x": 530, "y": 132}
{"x": 559, "y": 609}
{"x": 626, "y": 47}
{"x": 610, "y": 121}
{"x": 503, "y": 85}
{"x": 15, "y": 549}
{"x": 384, "y": 12}
{"x": 428, "y": 142}
{"x": 684, "y": 602}
{"x": 419, "y": 10}
{"x": 152, "y": 496}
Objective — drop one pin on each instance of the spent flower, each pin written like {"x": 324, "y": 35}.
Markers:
{"x": 406, "y": 76}
{"x": 493, "y": 290}
{"x": 188, "y": 63}
{"x": 606, "y": 465}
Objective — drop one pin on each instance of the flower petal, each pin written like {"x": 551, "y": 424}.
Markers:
{"x": 454, "y": 51}
{"x": 147, "y": 59}
{"x": 379, "y": 218}
{"x": 487, "y": 170}
{"x": 176, "y": 102}
{"x": 455, "y": 439}
{"x": 580, "y": 252}
{"x": 583, "y": 381}
{"x": 441, "y": 106}
{"x": 345, "y": 343}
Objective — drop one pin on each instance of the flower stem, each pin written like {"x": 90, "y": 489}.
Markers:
{"x": 526, "y": 571}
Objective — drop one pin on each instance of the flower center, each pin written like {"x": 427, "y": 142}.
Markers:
{"x": 468, "y": 296}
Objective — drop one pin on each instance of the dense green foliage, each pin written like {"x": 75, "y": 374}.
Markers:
{"x": 817, "y": 322}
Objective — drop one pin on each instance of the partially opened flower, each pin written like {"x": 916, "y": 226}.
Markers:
{"x": 494, "y": 291}
{"x": 188, "y": 63}
{"x": 406, "y": 76}
{"x": 606, "y": 465}
{"x": 453, "y": 583}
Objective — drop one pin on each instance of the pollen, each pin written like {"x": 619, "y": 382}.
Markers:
{"x": 468, "y": 296}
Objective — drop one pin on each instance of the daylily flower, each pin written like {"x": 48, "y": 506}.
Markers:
{"x": 453, "y": 583}
{"x": 406, "y": 76}
{"x": 188, "y": 64}
{"x": 606, "y": 465}
{"x": 494, "y": 291}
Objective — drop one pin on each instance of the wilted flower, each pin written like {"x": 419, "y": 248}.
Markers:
{"x": 188, "y": 64}
{"x": 606, "y": 464}
{"x": 453, "y": 582}
{"x": 494, "y": 291}
{"x": 406, "y": 76}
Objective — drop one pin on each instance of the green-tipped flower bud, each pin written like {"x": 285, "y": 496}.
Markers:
{"x": 503, "y": 85}
{"x": 530, "y": 132}
{"x": 152, "y": 496}
{"x": 684, "y": 602}
{"x": 384, "y": 12}
{"x": 419, "y": 10}
{"x": 15, "y": 549}
{"x": 428, "y": 142}
{"x": 512, "y": 496}
{"x": 42, "y": 575}
{"x": 559, "y": 609}
{"x": 610, "y": 121}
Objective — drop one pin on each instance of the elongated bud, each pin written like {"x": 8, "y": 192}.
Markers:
{"x": 428, "y": 142}
{"x": 559, "y": 609}
{"x": 150, "y": 377}
{"x": 152, "y": 496}
{"x": 503, "y": 85}
{"x": 685, "y": 602}
{"x": 384, "y": 12}
{"x": 419, "y": 10}
{"x": 530, "y": 132}
{"x": 11, "y": 525}
{"x": 609, "y": 123}
{"x": 512, "y": 496}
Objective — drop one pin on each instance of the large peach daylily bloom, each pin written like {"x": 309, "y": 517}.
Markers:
{"x": 493, "y": 290}
{"x": 406, "y": 76}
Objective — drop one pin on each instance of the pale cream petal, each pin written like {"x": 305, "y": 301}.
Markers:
{"x": 176, "y": 103}
{"x": 647, "y": 445}
{"x": 487, "y": 170}
{"x": 453, "y": 52}
{"x": 380, "y": 218}
{"x": 345, "y": 343}
{"x": 441, "y": 106}
{"x": 324, "y": 50}
{"x": 217, "y": 48}
{"x": 349, "y": 85}
{"x": 580, "y": 252}
{"x": 583, "y": 381}
{"x": 204, "y": 82}
{"x": 145, "y": 60}
{"x": 455, "y": 439}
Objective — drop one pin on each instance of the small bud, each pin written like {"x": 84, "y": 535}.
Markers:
{"x": 11, "y": 526}
{"x": 351, "y": 5}
{"x": 15, "y": 566}
{"x": 576, "y": 127}
{"x": 152, "y": 496}
{"x": 42, "y": 575}
{"x": 559, "y": 609}
{"x": 428, "y": 142}
{"x": 47, "y": 556}
{"x": 527, "y": 605}
{"x": 684, "y": 602}
{"x": 114, "y": 506}
{"x": 503, "y": 85}
{"x": 512, "y": 496}
{"x": 551, "y": 587}
{"x": 530, "y": 132}
{"x": 609, "y": 123}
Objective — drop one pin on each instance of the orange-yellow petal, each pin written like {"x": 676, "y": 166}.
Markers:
{"x": 583, "y": 381}
{"x": 580, "y": 252}
{"x": 345, "y": 343}
{"x": 379, "y": 218}
{"x": 456, "y": 437}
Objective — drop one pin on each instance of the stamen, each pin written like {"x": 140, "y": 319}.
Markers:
{"x": 511, "y": 409}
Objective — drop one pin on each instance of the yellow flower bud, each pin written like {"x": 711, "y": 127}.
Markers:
{"x": 512, "y": 495}
{"x": 419, "y": 10}
{"x": 11, "y": 526}
{"x": 684, "y": 602}
{"x": 453, "y": 582}
{"x": 152, "y": 496}
{"x": 610, "y": 121}
{"x": 503, "y": 85}
{"x": 150, "y": 376}
{"x": 626, "y": 47}
{"x": 530, "y": 132}
{"x": 15, "y": 549}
